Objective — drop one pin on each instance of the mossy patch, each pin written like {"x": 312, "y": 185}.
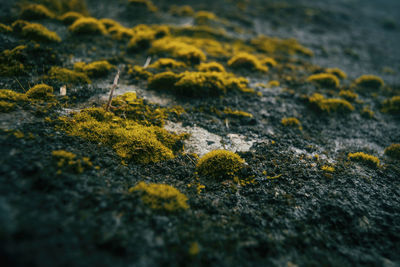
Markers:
{"x": 276, "y": 46}
{"x": 87, "y": 25}
{"x": 210, "y": 67}
{"x": 324, "y": 80}
{"x": 168, "y": 63}
{"x": 220, "y": 164}
{"x": 292, "y": 122}
{"x": 182, "y": 11}
{"x": 9, "y": 100}
{"x": 269, "y": 62}
{"x": 67, "y": 76}
{"x": 34, "y": 11}
{"x": 392, "y": 105}
{"x": 337, "y": 72}
{"x": 393, "y": 151}
{"x": 40, "y": 33}
{"x": 364, "y": 158}
{"x": 41, "y": 92}
{"x": 95, "y": 68}
{"x": 147, "y": 4}
{"x": 348, "y": 95}
{"x": 204, "y": 17}
{"x": 11, "y": 61}
{"x": 139, "y": 72}
{"x": 237, "y": 113}
{"x": 70, "y": 17}
{"x": 68, "y": 161}
{"x": 247, "y": 61}
{"x": 330, "y": 104}
{"x": 369, "y": 82}
{"x": 143, "y": 35}
{"x": 5, "y": 28}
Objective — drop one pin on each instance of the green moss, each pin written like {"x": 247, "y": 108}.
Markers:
{"x": 9, "y": 100}
{"x": 167, "y": 63}
{"x": 210, "y": 67}
{"x": 292, "y": 122}
{"x": 364, "y": 158}
{"x": 87, "y": 25}
{"x": 70, "y": 17}
{"x": 11, "y": 61}
{"x": 34, "y": 11}
{"x": 220, "y": 164}
{"x": 393, "y": 151}
{"x": 40, "y": 92}
{"x": 182, "y": 11}
{"x": 369, "y": 81}
{"x": 143, "y": 35}
{"x": 276, "y": 46}
{"x": 392, "y": 105}
{"x": 139, "y": 72}
{"x": 5, "y": 29}
{"x": 67, "y": 161}
{"x": 6, "y": 106}
{"x": 237, "y": 113}
{"x": 247, "y": 61}
{"x": 330, "y": 104}
{"x": 67, "y": 76}
{"x": 39, "y": 33}
{"x": 94, "y": 69}
{"x": 337, "y": 72}
{"x": 324, "y": 80}
{"x": 145, "y": 4}
{"x": 161, "y": 196}
{"x": 349, "y": 95}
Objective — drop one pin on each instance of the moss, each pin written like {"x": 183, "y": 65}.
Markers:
{"x": 87, "y": 25}
{"x": 139, "y": 72}
{"x": 40, "y": 33}
{"x": 144, "y": 3}
{"x": 369, "y": 81}
{"x": 364, "y": 158}
{"x": 203, "y": 31}
{"x": 18, "y": 25}
{"x": 94, "y": 69}
{"x": 182, "y": 11}
{"x": 167, "y": 63}
{"x": 393, "y": 151}
{"x": 327, "y": 168}
{"x": 269, "y": 62}
{"x": 6, "y": 106}
{"x": 129, "y": 139}
{"x": 10, "y": 100}
{"x": 163, "y": 81}
{"x": 366, "y": 112}
{"x": 210, "y": 67}
{"x": 5, "y": 29}
{"x": 392, "y": 105}
{"x": 273, "y": 83}
{"x": 70, "y": 17}
{"x": 324, "y": 80}
{"x": 204, "y": 17}
{"x": 194, "y": 249}
{"x": 40, "y": 92}
{"x": 143, "y": 35}
{"x": 161, "y": 196}
{"x": 109, "y": 23}
{"x": 220, "y": 164}
{"x": 337, "y": 72}
{"x": 293, "y": 122}
{"x": 246, "y": 61}
{"x": 330, "y": 104}
{"x": 237, "y": 113}
{"x": 67, "y": 76}
{"x": 349, "y": 95}
{"x": 67, "y": 161}
{"x": 273, "y": 46}
{"x": 34, "y": 11}
{"x": 11, "y": 61}
{"x": 63, "y": 6}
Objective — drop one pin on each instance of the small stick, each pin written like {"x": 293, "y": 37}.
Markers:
{"x": 147, "y": 63}
{"x": 20, "y": 85}
{"x": 115, "y": 84}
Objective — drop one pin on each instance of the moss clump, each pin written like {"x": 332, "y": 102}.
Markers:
{"x": 273, "y": 83}
{"x": 178, "y": 49}
{"x": 324, "y": 80}
{"x": 143, "y": 35}
{"x": 34, "y": 11}
{"x": 87, "y": 25}
{"x": 182, "y": 11}
{"x": 139, "y": 72}
{"x": 6, "y": 106}
{"x": 327, "y": 168}
{"x": 63, "y": 6}
{"x": 273, "y": 46}
{"x": 130, "y": 140}
{"x": 392, "y": 105}
{"x": 204, "y": 17}
{"x": 144, "y": 3}
{"x": 246, "y": 61}
{"x": 366, "y": 112}
{"x": 40, "y": 92}
{"x": 349, "y": 95}
{"x": 67, "y": 76}
{"x": 70, "y": 17}
{"x": 94, "y": 69}
{"x": 337, "y": 72}
{"x": 18, "y": 25}
{"x": 293, "y": 122}
{"x": 220, "y": 164}
{"x": 330, "y": 104}
{"x": 9, "y": 100}
{"x": 269, "y": 62}
{"x": 67, "y": 161}
{"x": 237, "y": 113}
{"x": 40, "y": 33}
{"x": 369, "y": 81}
{"x": 161, "y": 196}
{"x": 5, "y": 29}
{"x": 11, "y": 61}
{"x": 393, "y": 151}
{"x": 364, "y": 158}
{"x": 167, "y": 63}
{"x": 210, "y": 67}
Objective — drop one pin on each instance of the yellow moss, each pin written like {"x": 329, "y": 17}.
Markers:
{"x": 364, "y": 158}
{"x": 34, "y": 11}
{"x": 70, "y": 17}
{"x": 40, "y": 92}
{"x": 69, "y": 161}
{"x": 5, "y": 29}
{"x": 18, "y": 25}
{"x": 327, "y": 168}
{"x": 246, "y": 61}
{"x": 202, "y": 31}
{"x": 109, "y": 23}
{"x": 293, "y": 122}
{"x": 237, "y": 113}
{"x": 337, "y": 72}
{"x": 161, "y": 196}
{"x": 143, "y": 35}
{"x": 204, "y": 17}
{"x": 194, "y": 249}
{"x": 324, "y": 80}
{"x": 349, "y": 95}
{"x": 167, "y": 63}
{"x": 94, "y": 69}
{"x": 120, "y": 32}
{"x": 273, "y": 45}
{"x": 369, "y": 81}
{"x": 67, "y": 76}
{"x": 6, "y": 106}
{"x": 10, "y": 99}
{"x": 40, "y": 33}
{"x": 393, "y": 151}
{"x": 273, "y": 84}
{"x": 392, "y": 105}
{"x": 63, "y": 6}
{"x": 210, "y": 67}
{"x": 129, "y": 139}
{"x": 269, "y": 62}
{"x": 330, "y": 104}
{"x": 367, "y": 113}
{"x": 220, "y": 164}
{"x": 11, "y": 61}
{"x": 183, "y": 11}
{"x": 87, "y": 25}
{"x": 139, "y": 72}
{"x": 144, "y": 3}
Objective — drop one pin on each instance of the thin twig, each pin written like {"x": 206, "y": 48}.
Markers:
{"x": 20, "y": 85}
{"x": 147, "y": 63}
{"x": 115, "y": 84}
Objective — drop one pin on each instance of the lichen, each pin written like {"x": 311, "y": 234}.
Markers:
{"x": 247, "y": 61}
{"x": 210, "y": 67}
{"x": 369, "y": 82}
{"x": 70, "y": 17}
{"x": 337, "y": 72}
{"x": 292, "y": 122}
{"x": 67, "y": 76}
{"x": 393, "y": 151}
{"x": 144, "y": 3}
{"x": 220, "y": 164}
{"x": 330, "y": 104}
{"x": 364, "y": 158}
{"x": 94, "y": 69}
{"x": 167, "y": 63}
{"x": 40, "y": 92}
{"x": 348, "y": 95}
{"x": 161, "y": 196}
{"x": 324, "y": 80}
{"x": 392, "y": 105}
{"x": 87, "y": 25}
{"x": 39, "y": 33}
